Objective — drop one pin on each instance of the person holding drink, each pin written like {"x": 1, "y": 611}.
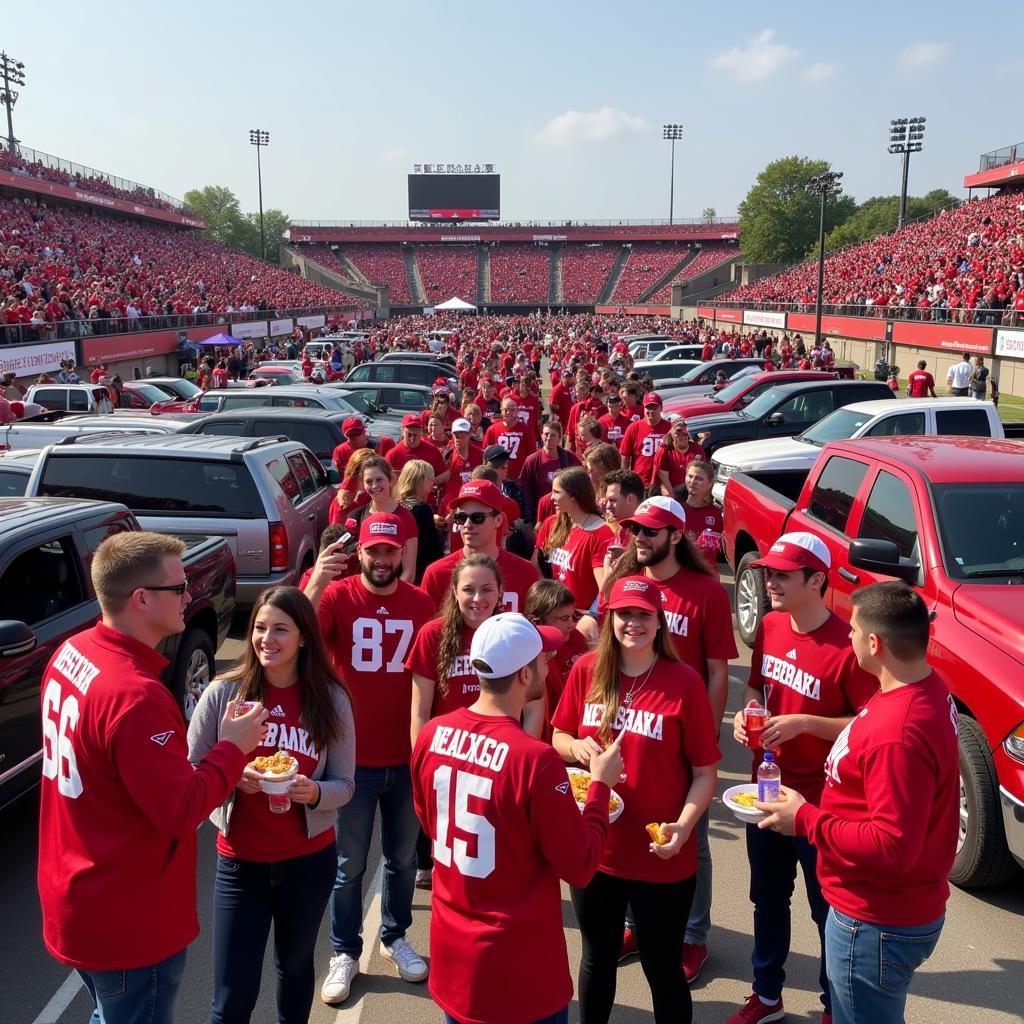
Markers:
{"x": 805, "y": 686}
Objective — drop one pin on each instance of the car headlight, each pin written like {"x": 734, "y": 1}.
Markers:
{"x": 724, "y": 472}
{"x": 1014, "y": 743}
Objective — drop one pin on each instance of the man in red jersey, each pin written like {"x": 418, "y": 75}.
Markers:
{"x": 886, "y": 829}
{"x": 368, "y": 623}
{"x": 542, "y": 466}
{"x": 513, "y": 436}
{"x": 465, "y": 457}
{"x": 920, "y": 383}
{"x": 587, "y": 404}
{"x": 528, "y": 404}
{"x": 355, "y": 438}
{"x": 805, "y": 673}
{"x": 120, "y": 803}
{"x": 640, "y": 444}
{"x": 412, "y": 446}
{"x": 477, "y": 512}
{"x": 560, "y": 399}
{"x": 499, "y": 809}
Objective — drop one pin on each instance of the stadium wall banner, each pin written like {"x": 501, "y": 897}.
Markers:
{"x": 26, "y": 183}
{"x": 946, "y": 337}
{"x": 25, "y": 360}
{"x": 311, "y": 321}
{"x": 128, "y": 346}
{"x": 250, "y": 329}
{"x": 461, "y": 238}
{"x": 860, "y": 327}
{"x": 278, "y": 328}
{"x": 551, "y": 238}
{"x": 764, "y": 318}
{"x": 729, "y": 316}
{"x": 706, "y": 312}
{"x": 1010, "y": 344}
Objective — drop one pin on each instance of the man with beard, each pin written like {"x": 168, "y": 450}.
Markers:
{"x": 368, "y": 623}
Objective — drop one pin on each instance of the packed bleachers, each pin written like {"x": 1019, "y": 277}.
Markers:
{"x": 327, "y": 258}
{"x": 944, "y": 268}
{"x": 447, "y": 270}
{"x": 709, "y": 256}
{"x": 647, "y": 262}
{"x": 585, "y": 268}
{"x": 520, "y": 272}
{"x": 382, "y": 264}
{"x": 59, "y": 263}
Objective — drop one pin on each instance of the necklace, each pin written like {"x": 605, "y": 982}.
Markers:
{"x": 627, "y": 700}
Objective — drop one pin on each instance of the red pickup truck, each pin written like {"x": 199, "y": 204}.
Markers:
{"x": 946, "y": 514}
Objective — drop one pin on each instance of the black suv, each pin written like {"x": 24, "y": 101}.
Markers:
{"x": 398, "y": 371}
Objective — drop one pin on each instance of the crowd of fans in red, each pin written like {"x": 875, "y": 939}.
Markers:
{"x": 382, "y": 264}
{"x": 710, "y": 256}
{"x": 447, "y": 270}
{"x": 964, "y": 266}
{"x": 520, "y": 273}
{"x": 585, "y": 268}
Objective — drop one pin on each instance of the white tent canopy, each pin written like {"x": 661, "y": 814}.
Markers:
{"x": 457, "y": 304}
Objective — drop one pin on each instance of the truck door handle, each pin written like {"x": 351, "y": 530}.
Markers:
{"x": 850, "y": 577}
{"x": 311, "y": 516}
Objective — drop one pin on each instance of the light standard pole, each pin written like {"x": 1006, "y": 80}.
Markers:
{"x": 13, "y": 73}
{"x": 673, "y": 133}
{"x": 823, "y": 185}
{"x": 259, "y": 139}
{"x": 906, "y": 136}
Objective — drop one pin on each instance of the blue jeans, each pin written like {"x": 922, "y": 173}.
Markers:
{"x": 391, "y": 788}
{"x": 562, "y": 1017}
{"x": 248, "y": 897}
{"x": 870, "y": 967}
{"x": 699, "y": 923}
{"x": 141, "y": 995}
{"x": 773, "y": 863}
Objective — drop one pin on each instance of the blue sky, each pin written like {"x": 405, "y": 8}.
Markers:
{"x": 566, "y": 99}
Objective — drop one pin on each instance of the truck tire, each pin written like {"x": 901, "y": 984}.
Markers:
{"x": 193, "y": 669}
{"x": 983, "y": 859}
{"x": 750, "y": 599}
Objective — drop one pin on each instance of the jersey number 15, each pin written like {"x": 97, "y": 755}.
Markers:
{"x": 466, "y": 785}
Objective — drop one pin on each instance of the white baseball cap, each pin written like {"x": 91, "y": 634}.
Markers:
{"x": 798, "y": 550}
{"x": 503, "y": 645}
{"x": 658, "y": 512}
{"x": 460, "y": 425}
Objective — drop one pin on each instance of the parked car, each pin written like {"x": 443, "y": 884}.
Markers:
{"x": 944, "y": 514}
{"x": 46, "y": 596}
{"x": 700, "y": 379}
{"x": 403, "y": 371}
{"x": 300, "y": 396}
{"x": 21, "y": 434}
{"x": 678, "y": 352}
{"x": 15, "y": 469}
{"x": 177, "y": 388}
{"x": 267, "y": 497}
{"x": 277, "y": 375}
{"x": 404, "y": 356}
{"x": 400, "y": 398}
{"x": 647, "y": 346}
{"x": 668, "y": 371}
{"x": 738, "y": 393}
{"x": 92, "y": 398}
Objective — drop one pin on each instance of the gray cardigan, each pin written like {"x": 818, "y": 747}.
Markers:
{"x": 335, "y": 770}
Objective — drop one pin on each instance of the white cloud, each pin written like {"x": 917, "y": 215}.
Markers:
{"x": 818, "y": 72}
{"x": 576, "y": 126}
{"x": 759, "y": 59}
{"x": 391, "y": 155}
{"x": 919, "y": 55}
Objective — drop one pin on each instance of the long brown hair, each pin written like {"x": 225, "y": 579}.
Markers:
{"x": 605, "y": 683}
{"x": 454, "y": 625}
{"x": 356, "y": 461}
{"x": 687, "y": 555}
{"x": 576, "y": 482}
{"x": 315, "y": 671}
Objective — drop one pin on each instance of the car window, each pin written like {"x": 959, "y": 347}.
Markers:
{"x": 889, "y": 514}
{"x": 970, "y": 422}
{"x": 806, "y": 408}
{"x": 94, "y": 536}
{"x": 245, "y": 401}
{"x": 227, "y": 428}
{"x": 360, "y": 373}
{"x": 412, "y": 400}
{"x": 77, "y": 400}
{"x": 52, "y": 398}
{"x": 41, "y": 582}
{"x": 285, "y": 479}
{"x": 209, "y": 403}
{"x": 12, "y": 483}
{"x": 383, "y": 371}
{"x": 895, "y": 426}
{"x": 317, "y": 437}
{"x": 835, "y": 490}
{"x": 303, "y": 473}
{"x": 316, "y": 468}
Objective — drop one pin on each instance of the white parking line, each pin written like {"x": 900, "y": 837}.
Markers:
{"x": 371, "y": 926}
{"x": 60, "y": 1000}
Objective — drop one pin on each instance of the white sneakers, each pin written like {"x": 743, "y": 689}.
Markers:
{"x": 343, "y": 968}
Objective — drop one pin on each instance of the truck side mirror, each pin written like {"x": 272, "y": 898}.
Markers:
{"x": 776, "y": 419}
{"x": 883, "y": 557}
{"x": 15, "y": 638}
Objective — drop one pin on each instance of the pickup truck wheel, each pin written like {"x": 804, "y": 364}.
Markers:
{"x": 982, "y": 856}
{"x": 749, "y": 598}
{"x": 193, "y": 669}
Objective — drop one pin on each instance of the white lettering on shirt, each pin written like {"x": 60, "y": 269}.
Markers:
{"x": 462, "y": 666}
{"x": 561, "y": 558}
{"x": 785, "y": 674}
{"x": 643, "y": 723}
{"x": 77, "y": 669}
{"x": 839, "y": 750}
{"x": 677, "y": 623}
{"x": 483, "y": 751}
{"x": 289, "y": 737}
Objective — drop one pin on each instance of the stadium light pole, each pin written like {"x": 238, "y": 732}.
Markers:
{"x": 906, "y": 136}
{"x": 259, "y": 139}
{"x": 13, "y": 73}
{"x": 673, "y": 133}
{"x": 823, "y": 185}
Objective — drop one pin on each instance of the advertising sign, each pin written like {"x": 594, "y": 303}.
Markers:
{"x": 26, "y": 360}
{"x": 1010, "y": 344}
{"x": 251, "y": 329}
{"x": 281, "y": 327}
{"x": 764, "y": 318}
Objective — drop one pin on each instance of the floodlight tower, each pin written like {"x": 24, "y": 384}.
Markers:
{"x": 823, "y": 185}
{"x": 906, "y": 136}
{"x": 259, "y": 139}
{"x": 673, "y": 133}
{"x": 13, "y": 73}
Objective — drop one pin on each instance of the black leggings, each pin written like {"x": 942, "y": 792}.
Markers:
{"x": 661, "y": 910}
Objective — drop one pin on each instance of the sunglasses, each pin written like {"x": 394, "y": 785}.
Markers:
{"x": 648, "y": 531}
{"x": 476, "y": 518}
{"x": 174, "y": 588}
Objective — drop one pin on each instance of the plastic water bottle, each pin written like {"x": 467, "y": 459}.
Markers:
{"x": 769, "y": 780}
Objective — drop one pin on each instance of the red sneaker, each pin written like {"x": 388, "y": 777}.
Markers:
{"x": 628, "y": 945}
{"x": 753, "y": 1011}
{"x": 694, "y": 958}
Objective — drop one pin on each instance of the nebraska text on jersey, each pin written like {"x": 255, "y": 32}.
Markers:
{"x": 789, "y": 675}
{"x": 469, "y": 746}
{"x": 643, "y": 723}
{"x": 75, "y": 668}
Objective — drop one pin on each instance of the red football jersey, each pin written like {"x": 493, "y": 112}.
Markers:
{"x": 369, "y": 637}
{"x": 573, "y": 563}
{"x": 462, "y": 683}
{"x": 400, "y": 454}
{"x": 499, "y": 811}
{"x": 517, "y": 575}
{"x": 518, "y": 442}
{"x": 614, "y": 427}
{"x": 641, "y": 443}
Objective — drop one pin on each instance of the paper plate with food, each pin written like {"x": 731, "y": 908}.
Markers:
{"x": 740, "y": 800}
{"x": 278, "y": 770}
{"x": 580, "y": 782}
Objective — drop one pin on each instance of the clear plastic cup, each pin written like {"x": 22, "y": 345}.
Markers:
{"x": 754, "y": 720}
{"x": 276, "y": 787}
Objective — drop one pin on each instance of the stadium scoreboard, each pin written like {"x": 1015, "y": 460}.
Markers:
{"x": 454, "y": 196}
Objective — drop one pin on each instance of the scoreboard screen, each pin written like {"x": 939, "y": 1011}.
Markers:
{"x": 454, "y": 196}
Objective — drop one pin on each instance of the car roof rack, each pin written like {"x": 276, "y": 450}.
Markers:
{"x": 92, "y": 435}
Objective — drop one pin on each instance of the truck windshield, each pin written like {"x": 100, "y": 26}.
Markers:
{"x": 982, "y": 529}
{"x": 836, "y": 426}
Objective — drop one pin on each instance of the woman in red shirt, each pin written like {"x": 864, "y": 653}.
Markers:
{"x": 704, "y": 520}
{"x": 276, "y": 865}
{"x": 677, "y": 451}
{"x": 378, "y": 479}
{"x": 635, "y": 684}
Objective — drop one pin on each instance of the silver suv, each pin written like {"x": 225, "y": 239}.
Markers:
{"x": 267, "y": 496}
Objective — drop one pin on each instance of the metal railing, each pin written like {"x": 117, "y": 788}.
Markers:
{"x": 140, "y": 193}
{"x": 545, "y": 225}
{"x": 1001, "y": 157}
{"x": 935, "y": 314}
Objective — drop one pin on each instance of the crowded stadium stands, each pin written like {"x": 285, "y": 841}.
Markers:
{"x": 520, "y": 273}
{"x": 585, "y": 268}
{"x": 446, "y": 271}
{"x": 328, "y": 259}
{"x": 710, "y": 256}
{"x": 647, "y": 263}
{"x": 382, "y": 264}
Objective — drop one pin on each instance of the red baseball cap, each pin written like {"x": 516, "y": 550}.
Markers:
{"x": 484, "y": 491}
{"x": 551, "y": 638}
{"x": 353, "y": 426}
{"x": 411, "y": 420}
{"x": 635, "y": 592}
{"x": 382, "y": 528}
{"x": 794, "y": 551}
{"x": 658, "y": 512}
{"x": 653, "y": 398}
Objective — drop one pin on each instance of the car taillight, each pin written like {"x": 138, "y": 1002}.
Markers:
{"x": 278, "y": 547}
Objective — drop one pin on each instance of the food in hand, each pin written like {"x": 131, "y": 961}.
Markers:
{"x": 747, "y": 799}
{"x": 658, "y": 834}
{"x": 278, "y": 763}
{"x": 581, "y": 783}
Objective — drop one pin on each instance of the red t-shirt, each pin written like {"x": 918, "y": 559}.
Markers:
{"x": 119, "y": 806}
{"x": 462, "y": 682}
{"x": 255, "y": 832}
{"x": 402, "y": 453}
{"x": 505, "y": 828}
{"x": 641, "y": 443}
{"x": 517, "y": 575}
{"x": 886, "y": 831}
{"x": 545, "y": 508}
{"x": 614, "y": 427}
{"x": 529, "y": 412}
{"x": 560, "y": 400}
{"x": 460, "y": 471}
{"x": 675, "y": 462}
{"x": 920, "y": 383}
{"x": 574, "y": 562}
{"x": 369, "y": 636}
{"x": 812, "y": 673}
{"x": 704, "y": 526}
{"x": 518, "y": 442}
{"x": 669, "y": 728}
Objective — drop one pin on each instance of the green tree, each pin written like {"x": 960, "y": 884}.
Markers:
{"x": 880, "y": 214}
{"x": 709, "y": 214}
{"x": 779, "y": 218}
{"x": 219, "y": 208}
{"x": 275, "y": 223}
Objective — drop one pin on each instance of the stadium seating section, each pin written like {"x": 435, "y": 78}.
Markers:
{"x": 382, "y": 264}
{"x": 647, "y": 262}
{"x": 585, "y": 268}
{"x": 327, "y": 258}
{"x": 446, "y": 271}
{"x": 710, "y": 256}
{"x": 520, "y": 272}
